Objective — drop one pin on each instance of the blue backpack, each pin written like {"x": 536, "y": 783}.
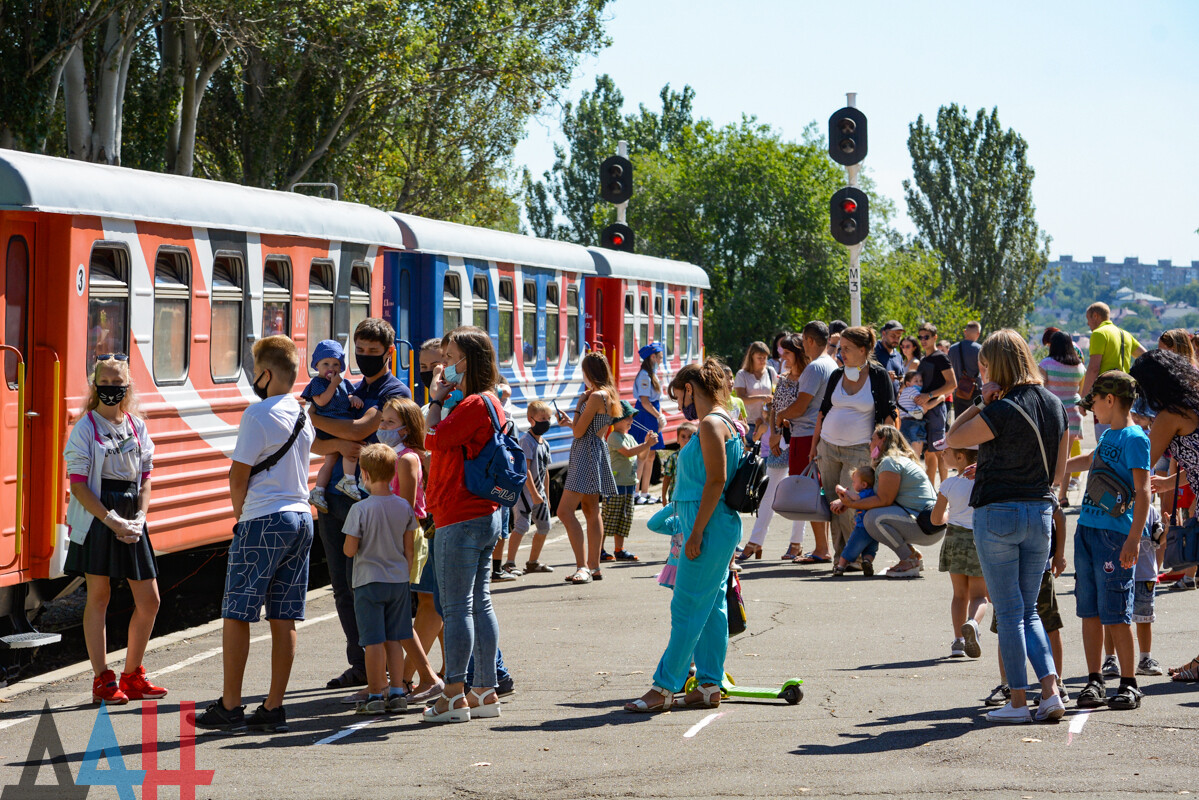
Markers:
{"x": 499, "y": 471}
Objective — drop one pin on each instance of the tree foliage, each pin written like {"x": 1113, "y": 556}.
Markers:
{"x": 904, "y": 284}
{"x": 971, "y": 200}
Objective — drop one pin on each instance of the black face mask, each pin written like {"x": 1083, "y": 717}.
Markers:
{"x": 111, "y": 395}
{"x": 539, "y": 428}
{"x": 370, "y": 366}
{"x": 261, "y": 391}
{"x": 426, "y": 379}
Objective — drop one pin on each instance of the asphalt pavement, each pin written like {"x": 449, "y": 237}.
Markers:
{"x": 885, "y": 711}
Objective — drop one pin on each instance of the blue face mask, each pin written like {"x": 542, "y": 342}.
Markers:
{"x": 451, "y": 374}
{"x": 393, "y": 438}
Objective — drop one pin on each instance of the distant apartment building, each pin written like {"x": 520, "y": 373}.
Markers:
{"x": 1131, "y": 272}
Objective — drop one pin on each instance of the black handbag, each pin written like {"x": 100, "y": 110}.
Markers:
{"x": 744, "y": 491}
{"x": 1182, "y": 541}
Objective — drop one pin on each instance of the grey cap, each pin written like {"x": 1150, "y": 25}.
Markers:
{"x": 892, "y": 325}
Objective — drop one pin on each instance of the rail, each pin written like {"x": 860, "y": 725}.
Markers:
{"x": 56, "y": 453}
{"x": 20, "y": 498}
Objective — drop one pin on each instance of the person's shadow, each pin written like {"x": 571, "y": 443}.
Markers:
{"x": 947, "y": 723}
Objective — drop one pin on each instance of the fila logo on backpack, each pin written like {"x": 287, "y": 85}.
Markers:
{"x": 498, "y": 472}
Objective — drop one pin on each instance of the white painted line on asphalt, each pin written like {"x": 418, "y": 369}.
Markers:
{"x": 1076, "y": 725}
{"x": 703, "y": 723}
{"x": 346, "y": 731}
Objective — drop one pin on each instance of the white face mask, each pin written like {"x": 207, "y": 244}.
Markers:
{"x": 853, "y": 373}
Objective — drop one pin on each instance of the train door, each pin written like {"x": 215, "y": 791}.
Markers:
{"x": 401, "y": 309}
{"x": 16, "y": 243}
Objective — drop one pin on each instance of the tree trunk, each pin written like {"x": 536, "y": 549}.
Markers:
{"x": 105, "y": 146}
{"x": 74, "y": 91}
{"x": 170, "y": 72}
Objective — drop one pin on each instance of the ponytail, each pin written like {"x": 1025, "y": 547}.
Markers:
{"x": 707, "y": 377}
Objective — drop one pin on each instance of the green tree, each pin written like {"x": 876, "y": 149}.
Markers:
{"x": 904, "y": 284}
{"x": 971, "y": 200}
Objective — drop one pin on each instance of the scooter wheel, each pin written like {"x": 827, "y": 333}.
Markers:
{"x": 793, "y": 694}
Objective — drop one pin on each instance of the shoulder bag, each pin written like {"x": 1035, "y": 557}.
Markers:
{"x": 744, "y": 491}
{"x": 799, "y": 497}
{"x": 1182, "y": 541}
{"x": 273, "y": 458}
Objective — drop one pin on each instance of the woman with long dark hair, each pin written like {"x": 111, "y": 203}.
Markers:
{"x": 910, "y": 348}
{"x": 1169, "y": 384}
{"x": 1063, "y": 371}
{"x": 647, "y": 394}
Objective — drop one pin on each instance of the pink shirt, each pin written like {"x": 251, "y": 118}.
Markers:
{"x": 419, "y": 505}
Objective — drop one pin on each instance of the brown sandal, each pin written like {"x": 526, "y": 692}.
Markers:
{"x": 1187, "y": 673}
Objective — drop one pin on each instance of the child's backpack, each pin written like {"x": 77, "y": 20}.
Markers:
{"x": 498, "y": 472}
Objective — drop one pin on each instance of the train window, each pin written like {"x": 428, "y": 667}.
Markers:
{"x": 528, "y": 323}
{"x": 657, "y": 307}
{"x": 107, "y": 302}
{"x": 451, "y": 303}
{"x": 629, "y": 322}
{"x": 16, "y": 299}
{"x": 644, "y": 321}
{"x": 695, "y": 330}
{"x": 684, "y": 331}
{"x": 360, "y": 305}
{"x": 507, "y": 332}
{"x": 481, "y": 313}
{"x": 572, "y": 325}
{"x": 670, "y": 349}
{"x": 320, "y": 304}
{"x": 225, "y": 340}
{"x": 404, "y": 307}
{"x": 172, "y": 306}
{"x": 276, "y": 296}
{"x": 553, "y": 347}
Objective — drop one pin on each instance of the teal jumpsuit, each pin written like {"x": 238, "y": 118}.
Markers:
{"x": 699, "y": 626}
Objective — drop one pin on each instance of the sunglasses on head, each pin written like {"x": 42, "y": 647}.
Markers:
{"x": 114, "y": 356}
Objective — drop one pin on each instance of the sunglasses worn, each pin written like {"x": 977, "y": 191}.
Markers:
{"x": 925, "y": 338}
{"x": 114, "y": 356}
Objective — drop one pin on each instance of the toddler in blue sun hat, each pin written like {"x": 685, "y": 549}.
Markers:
{"x": 327, "y": 393}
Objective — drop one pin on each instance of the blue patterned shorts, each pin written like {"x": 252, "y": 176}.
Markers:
{"x": 268, "y": 563}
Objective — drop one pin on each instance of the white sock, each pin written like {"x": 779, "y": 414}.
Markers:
{"x": 1146, "y": 654}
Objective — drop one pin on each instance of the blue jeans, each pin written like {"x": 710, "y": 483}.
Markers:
{"x": 859, "y": 543}
{"x": 463, "y": 563}
{"x": 1012, "y": 540}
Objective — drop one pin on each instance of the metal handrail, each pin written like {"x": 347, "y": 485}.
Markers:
{"x": 20, "y": 499}
{"x": 56, "y": 431}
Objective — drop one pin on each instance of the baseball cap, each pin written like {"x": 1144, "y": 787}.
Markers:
{"x": 892, "y": 325}
{"x": 1113, "y": 382}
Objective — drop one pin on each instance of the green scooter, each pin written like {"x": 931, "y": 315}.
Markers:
{"x": 791, "y": 691}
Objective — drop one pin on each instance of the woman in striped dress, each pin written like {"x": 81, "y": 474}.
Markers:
{"x": 1063, "y": 372}
{"x": 590, "y": 471}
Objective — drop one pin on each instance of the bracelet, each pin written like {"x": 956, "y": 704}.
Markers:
{"x": 437, "y": 403}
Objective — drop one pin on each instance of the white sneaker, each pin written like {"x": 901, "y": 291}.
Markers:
{"x": 1010, "y": 715}
{"x": 957, "y": 649}
{"x": 1051, "y": 709}
{"x": 970, "y": 635}
{"x": 1148, "y": 666}
{"x": 1111, "y": 667}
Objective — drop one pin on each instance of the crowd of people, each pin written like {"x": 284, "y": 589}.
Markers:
{"x": 413, "y": 544}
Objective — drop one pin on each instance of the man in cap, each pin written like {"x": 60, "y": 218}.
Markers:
{"x": 886, "y": 351}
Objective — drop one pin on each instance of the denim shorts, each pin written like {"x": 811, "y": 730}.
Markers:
{"x": 1102, "y": 587}
{"x": 268, "y": 563}
{"x": 383, "y": 612}
{"x": 1142, "y": 601}
{"x": 914, "y": 430}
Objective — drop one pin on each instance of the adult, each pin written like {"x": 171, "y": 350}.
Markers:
{"x": 647, "y": 399}
{"x": 937, "y": 382}
{"x": 1111, "y": 348}
{"x": 776, "y": 449}
{"x": 963, "y": 356}
{"x": 468, "y": 526}
{"x": 1023, "y": 438}
{"x": 835, "y": 329}
{"x": 803, "y": 413}
{"x": 1062, "y": 371}
{"x": 909, "y": 349}
{"x": 699, "y": 630}
{"x": 754, "y": 383}
{"x": 1170, "y": 385}
{"x": 887, "y": 352}
{"x": 858, "y": 397}
{"x": 374, "y": 345}
{"x": 898, "y": 515}
{"x": 1178, "y": 341}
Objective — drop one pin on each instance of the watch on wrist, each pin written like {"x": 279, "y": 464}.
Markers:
{"x": 437, "y": 403}
{"x": 979, "y": 403}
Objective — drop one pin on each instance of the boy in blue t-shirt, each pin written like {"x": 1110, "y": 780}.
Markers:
{"x": 1106, "y": 546}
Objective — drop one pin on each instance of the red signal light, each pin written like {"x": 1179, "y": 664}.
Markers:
{"x": 617, "y": 239}
{"x": 849, "y": 206}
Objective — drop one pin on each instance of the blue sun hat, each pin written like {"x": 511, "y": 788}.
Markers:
{"x": 650, "y": 349}
{"x": 329, "y": 348}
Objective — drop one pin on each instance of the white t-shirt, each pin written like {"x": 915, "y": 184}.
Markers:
{"x": 956, "y": 490}
{"x": 266, "y": 427}
{"x": 754, "y": 385}
{"x": 851, "y": 419}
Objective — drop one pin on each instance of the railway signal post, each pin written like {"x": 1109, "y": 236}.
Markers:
{"x": 849, "y": 209}
{"x": 616, "y": 187}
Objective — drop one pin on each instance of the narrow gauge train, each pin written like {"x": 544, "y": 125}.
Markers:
{"x": 184, "y": 274}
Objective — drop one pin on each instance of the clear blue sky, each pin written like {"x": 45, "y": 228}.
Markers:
{"x": 1088, "y": 85}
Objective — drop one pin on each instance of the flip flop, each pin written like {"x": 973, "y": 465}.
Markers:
{"x": 812, "y": 558}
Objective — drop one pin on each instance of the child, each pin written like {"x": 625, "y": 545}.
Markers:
{"x": 911, "y": 413}
{"x": 667, "y": 523}
{"x": 959, "y": 557}
{"x": 860, "y": 543}
{"x": 737, "y": 405}
{"x": 1107, "y": 545}
{"x": 379, "y": 534}
{"x": 618, "y": 508}
{"x": 669, "y": 464}
{"x": 533, "y": 506}
{"x": 327, "y": 392}
{"x": 268, "y": 557}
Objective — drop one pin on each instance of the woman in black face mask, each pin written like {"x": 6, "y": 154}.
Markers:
{"x": 109, "y": 456}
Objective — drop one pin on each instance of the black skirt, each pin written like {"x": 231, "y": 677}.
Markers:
{"x": 101, "y": 553}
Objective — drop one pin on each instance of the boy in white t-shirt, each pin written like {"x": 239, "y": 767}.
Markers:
{"x": 268, "y": 557}
{"x": 959, "y": 557}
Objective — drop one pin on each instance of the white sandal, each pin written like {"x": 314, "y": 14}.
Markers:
{"x": 451, "y": 714}
{"x": 707, "y": 702}
{"x": 484, "y": 710}
{"x": 639, "y": 706}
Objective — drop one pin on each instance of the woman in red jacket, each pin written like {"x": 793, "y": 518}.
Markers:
{"x": 468, "y": 526}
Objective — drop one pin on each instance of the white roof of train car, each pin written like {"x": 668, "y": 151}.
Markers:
{"x": 466, "y": 241}
{"x": 65, "y": 186}
{"x": 619, "y": 264}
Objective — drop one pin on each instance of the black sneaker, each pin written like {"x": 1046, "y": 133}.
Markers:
{"x": 999, "y": 696}
{"x": 273, "y": 721}
{"x": 218, "y": 718}
{"x": 505, "y": 688}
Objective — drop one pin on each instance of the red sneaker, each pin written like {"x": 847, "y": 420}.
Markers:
{"x": 137, "y": 687}
{"x": 106, "y": 690}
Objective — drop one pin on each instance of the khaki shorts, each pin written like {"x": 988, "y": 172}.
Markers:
{"x": 1051, "y": 618}
{"x": 958, "y": 554}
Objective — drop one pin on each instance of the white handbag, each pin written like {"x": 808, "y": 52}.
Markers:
{"x": 799, "y": 497}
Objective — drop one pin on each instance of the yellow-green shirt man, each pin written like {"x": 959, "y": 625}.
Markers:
{"x": 1111, "y": 347}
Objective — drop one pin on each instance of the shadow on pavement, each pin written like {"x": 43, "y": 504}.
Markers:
{"x": 949, "y": 723}
{"x": 924, "y": 662}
